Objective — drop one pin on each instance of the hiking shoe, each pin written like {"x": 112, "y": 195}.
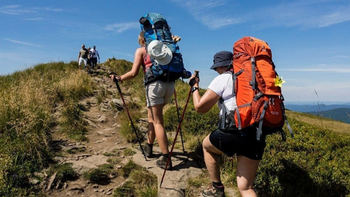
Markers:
{"x": 213, "y": 191}
{"x": 147, "y": 148}
{"x": 161, "y": 162}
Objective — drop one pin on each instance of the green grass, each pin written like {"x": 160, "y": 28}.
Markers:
{"x": 314, "y": 163}
{"x": 46, "y": 98}
{"x": 63, "y": 172}
{"x": 140, "y": 182}
{"x": 321, "y": 122}
{"x": 101, "y": 175}
{"x": 28, "y": 102}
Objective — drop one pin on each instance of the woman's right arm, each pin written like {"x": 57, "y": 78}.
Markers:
{"x": 203, "y": 104}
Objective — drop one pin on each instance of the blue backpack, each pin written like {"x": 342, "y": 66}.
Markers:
{"x": 155, "y": 27}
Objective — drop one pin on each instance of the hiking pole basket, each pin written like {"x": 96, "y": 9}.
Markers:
{"x": 177, "y": 132}
{"x": 127, "y": 111}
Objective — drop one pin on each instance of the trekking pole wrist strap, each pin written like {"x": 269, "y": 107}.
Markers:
{"x": 194, "y": 89}
{"x": 118, "y": 78}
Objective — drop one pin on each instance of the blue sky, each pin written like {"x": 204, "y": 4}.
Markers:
{"x": 309, "y": 39}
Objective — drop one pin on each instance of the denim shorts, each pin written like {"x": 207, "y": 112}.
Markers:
{"x": 239, "y": 142}
{"x": 159, "y": 92}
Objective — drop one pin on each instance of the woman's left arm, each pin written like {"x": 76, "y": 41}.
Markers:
{"x": 139, "y": 53}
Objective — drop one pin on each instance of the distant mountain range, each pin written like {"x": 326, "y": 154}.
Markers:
{"x": 340, "y": 112}
{"x": 314, "y": 107}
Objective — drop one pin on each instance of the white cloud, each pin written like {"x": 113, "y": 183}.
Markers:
{"x": 14, "y": 10}
{"x": 339, "y": 15}
{"x": 47, "y": 9}
{"x": 216, "y": 22}
{"x": 210, "y": 13}
{"x": 22, "y": 43}
{"x": 121, "y": 27}
{"x": 306, "y": 14}
{"x": 341, "y": 56}
{"x": 19, "y": 10}
{"x": 34, "y": 19}
{"x": 299, "y": 13}
{"x": 317, "y": 90}
{"x": 329, "y": 70}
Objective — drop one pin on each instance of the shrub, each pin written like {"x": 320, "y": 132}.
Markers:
{"x": 315, "y": 163}
{"x": 101, "y": 175}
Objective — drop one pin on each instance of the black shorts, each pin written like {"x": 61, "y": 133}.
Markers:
{"x": 239, "y": 142}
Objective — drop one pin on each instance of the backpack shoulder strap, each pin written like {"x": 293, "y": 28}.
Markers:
{"x": 226, "y": 113}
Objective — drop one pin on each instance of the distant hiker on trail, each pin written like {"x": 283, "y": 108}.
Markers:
{"x": 227, "y": 141}
{"x": 83, "y": 56}
{"x": 158, "y": 93}
{"x": 89, "y": 57}
{"x": 94, "y": 55}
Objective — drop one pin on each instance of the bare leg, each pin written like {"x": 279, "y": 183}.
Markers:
{"x": 150, "y": 134}
{"x": 246, "y": 172}
{"x": 212, "y": 160}
{"x": 157, "y": 115}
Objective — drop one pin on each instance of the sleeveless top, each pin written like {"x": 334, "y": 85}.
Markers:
{"x": 147, "y": 62}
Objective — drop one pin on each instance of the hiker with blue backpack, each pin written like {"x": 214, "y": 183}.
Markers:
{"x": 158, "y": 93}
{"x": 162, "y": 63}
{"x": 226, "y": 139}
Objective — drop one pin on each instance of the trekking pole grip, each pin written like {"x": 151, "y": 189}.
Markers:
{"x": 192, "y": 81}
{"x": 196, "y": 73}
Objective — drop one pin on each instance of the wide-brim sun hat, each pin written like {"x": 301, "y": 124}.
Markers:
{"x": 159, "y": 52}
{"x": 222, "y": 58}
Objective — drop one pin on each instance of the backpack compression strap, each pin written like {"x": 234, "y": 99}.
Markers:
{"x": 253, "y": 81}
{"x": 259, "y": 128}
{"x": 285, "y": 118}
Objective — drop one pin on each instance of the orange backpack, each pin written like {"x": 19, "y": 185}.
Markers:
{"x": 259, "y": 100}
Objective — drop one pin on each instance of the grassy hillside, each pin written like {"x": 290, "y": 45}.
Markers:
{"x": 340, "y": 114}
{"x": 29, "y": 103}
{"x": 39, "y": 102}
{"x": 320, "y": 122}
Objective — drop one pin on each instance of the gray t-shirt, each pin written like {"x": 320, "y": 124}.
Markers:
{"x": 84, "y": 53}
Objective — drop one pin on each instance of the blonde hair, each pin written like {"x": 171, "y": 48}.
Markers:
{"x": 141, "y": 39}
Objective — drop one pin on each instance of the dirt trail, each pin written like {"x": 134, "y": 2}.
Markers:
{"x": 103, "y": 137}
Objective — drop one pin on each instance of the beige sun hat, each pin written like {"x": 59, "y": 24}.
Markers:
{"x": 158, "y": 51}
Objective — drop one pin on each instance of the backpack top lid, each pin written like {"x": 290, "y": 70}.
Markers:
{"x": 151, "y": 18}
{"x": 159, "y": 52}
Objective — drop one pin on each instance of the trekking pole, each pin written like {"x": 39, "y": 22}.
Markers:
{"x": 178, "y": 129}
{"x": 179, "y": 120}
{"x": 127, "y": 111}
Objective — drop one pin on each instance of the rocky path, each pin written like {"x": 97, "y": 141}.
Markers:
{"x": 103, "y": 137}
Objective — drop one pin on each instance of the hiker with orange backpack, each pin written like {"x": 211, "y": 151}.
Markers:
{"x": 227, "y": 139}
